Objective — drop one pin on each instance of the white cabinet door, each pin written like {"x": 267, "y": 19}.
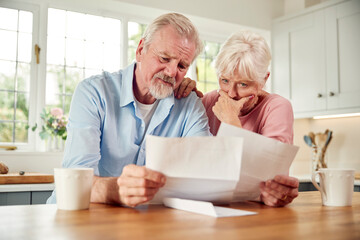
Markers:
{"x": 342, "y": 23}
{"x": 299, "y": 67}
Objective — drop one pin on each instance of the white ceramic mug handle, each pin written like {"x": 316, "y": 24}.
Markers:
{"x": 320, "y": 188}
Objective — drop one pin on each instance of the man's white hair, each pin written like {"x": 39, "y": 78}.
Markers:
{"x": 180, "y": 23}
{"x": 247, "y": 53}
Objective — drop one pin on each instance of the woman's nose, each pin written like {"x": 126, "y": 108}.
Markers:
{"x": 171, "y": 69}
{"x": 232, "y": 92}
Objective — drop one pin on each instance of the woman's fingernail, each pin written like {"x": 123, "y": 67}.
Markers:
{"x": 251, "y": 96}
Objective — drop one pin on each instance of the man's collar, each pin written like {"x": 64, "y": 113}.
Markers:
{"x": 127, "y": 95}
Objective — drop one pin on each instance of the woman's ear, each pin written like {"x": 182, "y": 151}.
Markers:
{"x": 139, "y": 50}
{"x": 267, "y": 76}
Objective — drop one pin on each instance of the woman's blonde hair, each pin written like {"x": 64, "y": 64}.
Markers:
{"x": 247, "y": 53}
{"x": 181, "y": 24}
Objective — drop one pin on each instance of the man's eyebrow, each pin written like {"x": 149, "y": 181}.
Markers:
{"x": 165, "y": 54}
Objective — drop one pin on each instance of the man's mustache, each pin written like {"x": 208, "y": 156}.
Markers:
{"x": 165, "y": 78}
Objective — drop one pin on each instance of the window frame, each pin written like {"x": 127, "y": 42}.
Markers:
{"x": 33, "y": 91}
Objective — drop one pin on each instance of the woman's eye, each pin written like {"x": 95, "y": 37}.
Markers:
{"x": 164, "y": 59}
{"x": 243, "y": 85}
{"x": 225, "y": 81}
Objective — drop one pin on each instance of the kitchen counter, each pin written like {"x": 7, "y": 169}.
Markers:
{"x": 305, "y": 218}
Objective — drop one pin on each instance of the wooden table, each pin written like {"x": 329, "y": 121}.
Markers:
{"x": 305, "y": 218}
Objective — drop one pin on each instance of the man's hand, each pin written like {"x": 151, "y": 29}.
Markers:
{"x": 138, "y": 184}
{"x": 227, "y": 110}
{"x": 279, "y": 191}
{"x": 187, "y": 85}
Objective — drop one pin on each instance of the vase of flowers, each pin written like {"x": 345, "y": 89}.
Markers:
{"x": 53, "y": 130}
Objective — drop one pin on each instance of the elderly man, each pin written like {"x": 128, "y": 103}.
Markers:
{"x": 111, "y": 113}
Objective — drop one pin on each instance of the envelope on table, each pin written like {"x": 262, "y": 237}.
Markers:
{"x": 197, "y": 168}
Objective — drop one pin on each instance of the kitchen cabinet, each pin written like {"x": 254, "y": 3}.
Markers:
{"x": 316, "y": 59}
{"x": 24, "y": 198}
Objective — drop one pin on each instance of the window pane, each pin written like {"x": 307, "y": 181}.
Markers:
{"x": 22, "y": 107}
{"x": 8, "y": 45}
{"x": 25, "y": 22}
{"x": 67, "y": 104}
{"x": 75, "y": 25}
{"x": 23, "y": 77}
{"x": 111, "y": 30}
{"x": 94, "y": 28}
{"x": 56, "y": 22}
{"x": 212, "y": 49}
{"x": 55, "y": 77}
{"x": 111, "y": 57}
{"x": 8, "y": 19}
{"x": 75, "y": 52}
{"x": 6, "y": 105}
{"x": 91, "y": 72}
{"x": 7, "y": 75}
{"x": 93, "y": 55}
{"x": 207, "y": 76}
{"x": 24, "y": 49}
{"x": 72, "y": 78}
{"x": 211, "y": 86}
{"x": 135, "y": 32}
{"x": 6, "y": 130}
{"x": 56, "y": 101}
{"x": 55, "y": 50}
{"x": 21, "y": 134}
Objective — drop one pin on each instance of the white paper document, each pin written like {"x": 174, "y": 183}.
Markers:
{"x": 222, "y": 169}
{"x": 263, "y": 159}
{"x": 206, "y": 208}
{"x": 197, "y": 168}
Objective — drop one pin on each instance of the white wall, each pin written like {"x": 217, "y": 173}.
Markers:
{"x": 253, "y": 13}
{"x": 343, "y": 150}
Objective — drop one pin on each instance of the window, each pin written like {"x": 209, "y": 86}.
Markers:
{"x": 135, "y": 32}
{"x": 16, "y": 28}
{"x": 78, "y": 46}
{"x": 206, "y": 74}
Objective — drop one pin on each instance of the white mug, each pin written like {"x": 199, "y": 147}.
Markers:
{"x": 336, "y": 186}
{"x": 73, "y": 187}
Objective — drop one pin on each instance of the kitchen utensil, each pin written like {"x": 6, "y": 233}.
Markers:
{"x": 308, "y": 141}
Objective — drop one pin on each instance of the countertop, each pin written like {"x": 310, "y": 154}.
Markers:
{"x": 27, "y": 187}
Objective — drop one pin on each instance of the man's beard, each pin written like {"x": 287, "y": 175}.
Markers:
{"x": 160, "y": 90}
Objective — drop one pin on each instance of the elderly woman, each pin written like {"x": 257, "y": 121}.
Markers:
{"x": 242, "y": 69}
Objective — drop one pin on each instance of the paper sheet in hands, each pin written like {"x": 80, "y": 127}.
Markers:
{"x": 263, "y": 159}
{"x": 221, "y": 169}
{"x": 197, "y": 168}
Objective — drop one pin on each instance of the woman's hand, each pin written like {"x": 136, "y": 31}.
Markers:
{"x": 187, "y": 85}
{"x": 279, "y": 191}
{"x": 227, "y": 110}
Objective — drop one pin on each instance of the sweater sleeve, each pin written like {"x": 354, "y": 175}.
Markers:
{"x": 279, "y": 120}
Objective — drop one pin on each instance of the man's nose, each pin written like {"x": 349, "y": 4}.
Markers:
{"x": 171, "y": 69}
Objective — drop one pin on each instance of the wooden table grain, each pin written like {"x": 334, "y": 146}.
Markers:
{"x": 305, "y": 218}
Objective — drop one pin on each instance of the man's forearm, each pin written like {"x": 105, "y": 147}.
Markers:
{"x": 105, "y": 190}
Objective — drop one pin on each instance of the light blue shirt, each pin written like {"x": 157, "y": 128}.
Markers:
{"x": 105, "y": 132}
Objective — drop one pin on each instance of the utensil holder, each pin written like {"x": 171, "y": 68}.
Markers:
{"x": 318, "y": 159}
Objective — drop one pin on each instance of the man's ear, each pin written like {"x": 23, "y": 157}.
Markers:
{"x": 140, "y": 50}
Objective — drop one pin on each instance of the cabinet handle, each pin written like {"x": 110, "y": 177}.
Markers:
{"x": 332, "y": 94}
{"x": 319, "y": 95}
